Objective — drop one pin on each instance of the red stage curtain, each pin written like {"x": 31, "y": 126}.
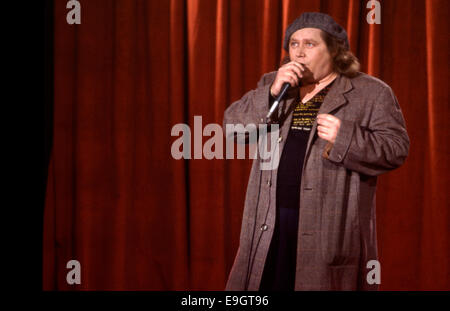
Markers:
{"x": 137, "y": 219}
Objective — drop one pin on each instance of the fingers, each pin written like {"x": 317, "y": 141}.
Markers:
{"x": 323, "y": 129}
{"x": 293, "y": 69}
{"x": 328, "y": 127}
{"x": 290, "y": 73}
{"x": 297, "y": 68}
{"x": 326, "y": 124}
{"x": 324, "y": 135}
{"x": 327, "y": 120}
{"x": 293, "y": 79}
{"x": 327, "y": 117}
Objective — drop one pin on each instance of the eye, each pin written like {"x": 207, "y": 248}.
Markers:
{"x": 309, "y": 44}
{"x": 294, "y": 44}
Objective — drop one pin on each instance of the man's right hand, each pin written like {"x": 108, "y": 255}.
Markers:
{"x": 290, "y": 73}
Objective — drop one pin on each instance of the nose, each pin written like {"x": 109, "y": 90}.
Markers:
{"x": 300, "y": 51}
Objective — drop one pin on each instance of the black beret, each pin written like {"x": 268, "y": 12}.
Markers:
{"x": 316, "y": 20}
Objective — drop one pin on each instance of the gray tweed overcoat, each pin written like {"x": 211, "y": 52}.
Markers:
{"x": 337, "y": 230}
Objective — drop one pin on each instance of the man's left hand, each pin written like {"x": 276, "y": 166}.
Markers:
{"x": 328, "y": 127}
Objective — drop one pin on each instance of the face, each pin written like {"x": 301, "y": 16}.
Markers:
{"x": 307, "y": 47}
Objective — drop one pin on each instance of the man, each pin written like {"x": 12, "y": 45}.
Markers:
{"x": 309, "y": 224}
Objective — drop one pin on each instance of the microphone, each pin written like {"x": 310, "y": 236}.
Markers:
{"x": 275, "y": 104}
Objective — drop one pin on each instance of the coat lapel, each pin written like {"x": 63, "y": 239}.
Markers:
{"x": 333, "y": 100}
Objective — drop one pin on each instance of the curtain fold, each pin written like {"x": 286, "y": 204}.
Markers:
{"x": 138, "y": 219}
{"x": 435, "y": 216}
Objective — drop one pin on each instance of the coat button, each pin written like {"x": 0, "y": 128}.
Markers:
{"x": 280, "y": 139}
{"x": 262, "y": 120}
{"x": 264, "y": 227}
{"x": 269, "y": 183}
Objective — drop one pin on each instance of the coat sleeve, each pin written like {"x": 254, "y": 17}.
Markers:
{"x": 381, "y": 146}
{"x": 251, "y": 109}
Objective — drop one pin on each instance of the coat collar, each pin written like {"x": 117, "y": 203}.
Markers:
{"x": 335, "y": 97}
